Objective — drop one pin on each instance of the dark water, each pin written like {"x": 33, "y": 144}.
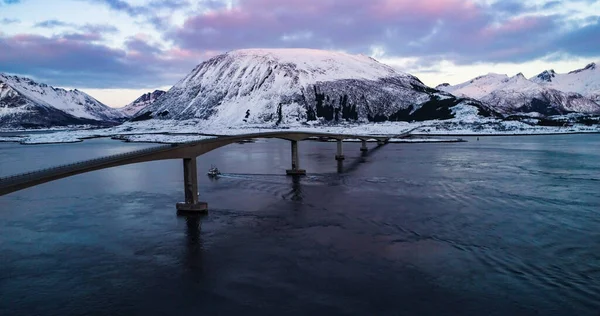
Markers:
{"x": 500, "y": 226}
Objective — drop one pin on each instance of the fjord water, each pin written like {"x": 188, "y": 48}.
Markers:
{"x": 499, "y": 226}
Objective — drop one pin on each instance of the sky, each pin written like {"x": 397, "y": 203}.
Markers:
{"x": 116, "y": 50}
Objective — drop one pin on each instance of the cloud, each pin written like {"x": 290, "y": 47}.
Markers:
{"x": 6, "y": 21}
{"x": 75, "y": 59}
{"x": 120, "y": 5}
{"x": 138, "y": 10}
{"x": 551, "y": 5}
{"x": 82, "y": 37}
{"x": 155, "y": 12}
{"x": 93, "y": 31}
{"x": 100, "y": 28}
{"x": 463, "y": 31}
{"x": 52, "y": 24}
{"x": 584, "y": 41}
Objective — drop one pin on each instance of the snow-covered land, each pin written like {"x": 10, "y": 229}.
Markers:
{"x": 26, "y": 103}
{"x": 177, "y": 131}
{"x": 286, "y": 86}
{"x": 141, "y": 102}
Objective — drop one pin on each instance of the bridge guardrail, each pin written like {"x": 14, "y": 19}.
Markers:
{"x": 25, "y": 175}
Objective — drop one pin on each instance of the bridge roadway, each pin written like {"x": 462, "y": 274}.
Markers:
{"x": 186, "y": 151}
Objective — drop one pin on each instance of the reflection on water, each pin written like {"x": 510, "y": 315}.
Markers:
{"x": 296, "y": 192}
{"x": 193, "y": 243}
{"x": 499, "y": 226}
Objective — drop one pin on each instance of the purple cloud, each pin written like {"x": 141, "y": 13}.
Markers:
{"x": 77, "y": 60}
{"x": 461, "y": 30}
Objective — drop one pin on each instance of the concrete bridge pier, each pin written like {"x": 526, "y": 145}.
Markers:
{"x": 190, "y": 182}
{"x": 363, "y": 148}
{"x": 340, "y": 156}
{"x": 295, "y": 171}
{"x": 380, "y": 142}
{"x": 340, "y": 151}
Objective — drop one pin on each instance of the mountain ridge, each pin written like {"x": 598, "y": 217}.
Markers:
{"x": 25, "y": 102}
{"x": 584, "y": 81}
{"x": 547, "y": 94}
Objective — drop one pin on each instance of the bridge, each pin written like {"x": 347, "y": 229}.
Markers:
{"x": 188, "y": 152}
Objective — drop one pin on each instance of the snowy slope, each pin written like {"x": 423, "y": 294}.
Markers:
{"x": 476, "y": 88}
{"x": 17, "y": 111}
{"x": 22, "y": 94}
{"x": 141, "y": 102}
{"x": 298, "y": 85}
{"x": 585, "y": 81}
{"x": 519, "y": 95}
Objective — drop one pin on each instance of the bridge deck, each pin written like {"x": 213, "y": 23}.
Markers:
{"x": 186, "y": 150}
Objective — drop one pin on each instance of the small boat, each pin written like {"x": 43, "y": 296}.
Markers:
{"x": 213, "y": 172}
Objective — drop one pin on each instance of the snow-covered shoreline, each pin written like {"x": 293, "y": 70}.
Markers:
{"x": 173, "y": 131}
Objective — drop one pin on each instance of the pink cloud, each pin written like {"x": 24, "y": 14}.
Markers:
{"x": 267, "y": 20}
{"x": 68, "y": 60}
{"x": 514, "y": 25}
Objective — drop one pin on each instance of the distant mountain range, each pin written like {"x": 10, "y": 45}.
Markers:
{"x": 546, "y": 94}
{"x": 288, "y": 86}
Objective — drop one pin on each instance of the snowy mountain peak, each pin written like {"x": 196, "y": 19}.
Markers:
{"x": 25, "y": 100}
{"x": 492, "y": 76}
{"x": 286, "y": 86}
{"x": 590, "y": 66}
{"x": 545, "y": 76}
{"x": 478, "y": 87}
{"x": 316, "y": 57}
{"x": 584, "y": 81}
{"x": 143, "y": 101}
{"x": 311, "y": 64}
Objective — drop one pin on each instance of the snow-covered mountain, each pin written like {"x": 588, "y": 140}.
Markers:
{"x": 299, "y": 85}
{"x": 585, "y": 81}
{"x": 26, "y": 103}
{"x": 141, "y": 102}
{"x": 476, "y": 88}
{"x": 517, "y": 94}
